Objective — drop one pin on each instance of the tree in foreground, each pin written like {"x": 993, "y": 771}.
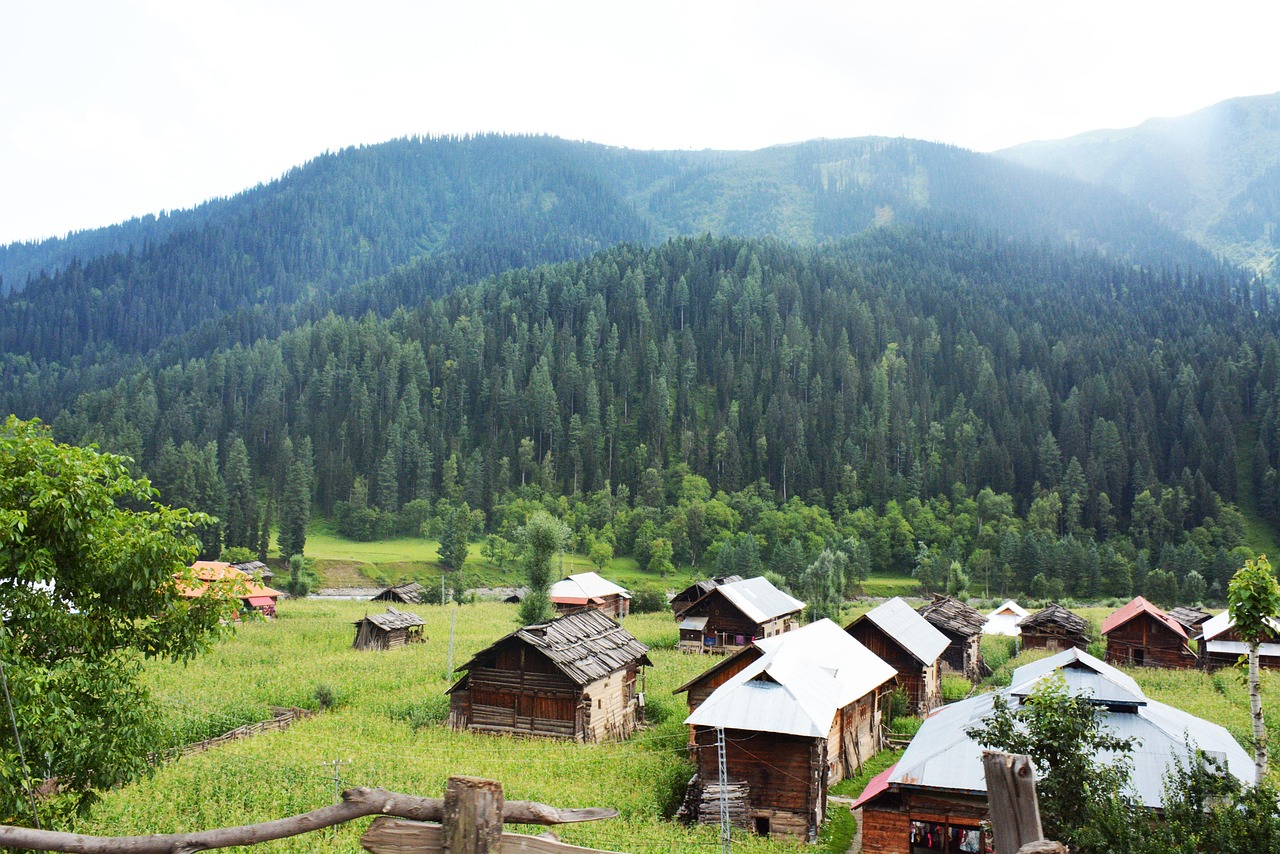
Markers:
{"x": 1082, "y": 801}
{"x": 90, "y": 572}
{"x": 543, "y": 536}
{"x": 1253, "y": 600}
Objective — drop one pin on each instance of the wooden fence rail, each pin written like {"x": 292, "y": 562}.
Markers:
{"x": 472, "y": 811}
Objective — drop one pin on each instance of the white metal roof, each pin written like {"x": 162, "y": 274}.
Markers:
{"x": 942, "y": 756}
{"x": 1265, "y": 650}
{"x": 758, "y": 599}
{"x": 1219, "y": 623}
{"x": 695, "y": 624}
{"x": 803, "y": 679}
{"x": 586, "y": 585}
{"x": 917, "y": 636}
{"x": 1004, "y": 620}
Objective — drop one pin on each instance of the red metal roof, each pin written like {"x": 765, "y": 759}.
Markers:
{"x": 261, "y": 601}
{"x": 1141, "y": 606}
{"x": 878, "y": 784}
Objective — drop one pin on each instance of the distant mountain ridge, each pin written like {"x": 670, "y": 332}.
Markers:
{"x": 1214, "y": 174}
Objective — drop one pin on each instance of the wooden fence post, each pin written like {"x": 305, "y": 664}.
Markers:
{"x": 1011, "y": 797}
{"x": 472, "y": 816}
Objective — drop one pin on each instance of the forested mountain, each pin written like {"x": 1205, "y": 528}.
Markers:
{"x": 900, "y": 367}
{"x": 1215, "y": 174}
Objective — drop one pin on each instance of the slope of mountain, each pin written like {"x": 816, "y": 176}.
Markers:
{"x": 1215, "y": 173}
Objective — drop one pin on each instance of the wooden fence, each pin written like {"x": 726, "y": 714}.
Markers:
{"x": 282, "y": 718}
{"x": 470, "y": 816}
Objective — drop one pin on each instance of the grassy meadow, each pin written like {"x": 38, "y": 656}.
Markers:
{"x": 387, "y": 728}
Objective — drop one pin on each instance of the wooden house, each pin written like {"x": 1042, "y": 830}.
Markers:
{"x": 589, "y": 590}
{"x": 962, "y": 625}
{"x": 804, "y": 713}
{"x": 731, "y": 616}
{"x": 391, "y": 630}
{"x": 910, "y": 645}
{"x": 253, "y": 596}
{"x": 1221, "y": 646}
{"x": 935, "y": 797}
{"x": 573, "y": 677}
{"x": 1192, "y": 619}
{"x": 1054, "y": 628}
{"x": 1142, "y": 634}
{"x": 686, "y": 597}
{"x": 1004, "y": 620}
{"x": 410, "y": 593}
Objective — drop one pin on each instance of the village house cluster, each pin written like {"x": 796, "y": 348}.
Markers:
{"x": 791, "y": 710}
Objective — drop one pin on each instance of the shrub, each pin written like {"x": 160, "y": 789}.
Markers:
{"x": 430, "y": 711}
{"x": 955, "y": 688}
{"x": 905, "y": 725}
{"x": 325, "y": 695}
{"x": 648, "y": 600}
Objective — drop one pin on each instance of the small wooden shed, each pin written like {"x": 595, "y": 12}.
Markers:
{"x": 1142, "y": 634}
{"x": 409, "y": 593}
{"x": 907, "y": 641}
{"x": 573, "y": 677}
{"x": 1054, "y": 628}
{"x": 962, "y": 625}
{"x": 391, "y": 630}
{"x": 732, "y": 616}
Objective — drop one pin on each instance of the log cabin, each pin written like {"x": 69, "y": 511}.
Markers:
{"x": 962, "y": 625}
{"x": 1054, "y": 628}
{"x": 935, "y": 797}
{"x": 577, "y": 676}
{"x": 589, "y": 590}
{"x": 391, "y": 630}
{"x": 906, "y": 640}
{"x": 1140, "y": 634}
{"x": 731, "y": 616}
{"x": 802, "y": 714}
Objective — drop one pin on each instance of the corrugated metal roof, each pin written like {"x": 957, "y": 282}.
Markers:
{"x": 798, "y": 685}
{"x": 585, "y": 645}
{"x": 758, "y": 599}
{"x": 1241, "y": 648}
{"x": 941, "y": 756}
{"x": 1139, "y": 605}
{"x": 1219, "y": 623}
{"x": 913, "y": 632}
{"x": 584, "y": 586}
{"x": 695, "y": 624}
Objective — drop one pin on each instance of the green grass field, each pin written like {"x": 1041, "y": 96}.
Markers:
{"x": 388, "y": 724}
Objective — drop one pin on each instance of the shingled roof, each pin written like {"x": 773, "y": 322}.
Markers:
{"x": 585, "y": 645}
{"x": 1054, "y": 616}
{"x": 952, "y": 615}
{"x": 409, "y": 593}
{"x": 393, "y": 619}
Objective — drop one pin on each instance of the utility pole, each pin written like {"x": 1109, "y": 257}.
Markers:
{"x": 453, "y": 624}
{"x": 337, "y": 777}
{"x": 726, "y": 844}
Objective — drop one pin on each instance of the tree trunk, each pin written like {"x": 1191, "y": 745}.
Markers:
{"x": 1255, "y": 707}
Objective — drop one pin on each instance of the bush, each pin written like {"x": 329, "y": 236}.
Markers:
{"x": 955, "y": 688}
{"x": 326, "y": 696}
{"x": 905, "y": 725}
{"x": 648, "y": 600}
{"x": 430, "y": 711}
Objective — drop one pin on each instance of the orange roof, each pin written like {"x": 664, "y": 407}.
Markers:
{"x": 1141, "y": 606}
{"x": 212, "y": 571}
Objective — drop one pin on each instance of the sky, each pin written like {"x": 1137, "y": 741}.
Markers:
{"x": 111, "y": 109}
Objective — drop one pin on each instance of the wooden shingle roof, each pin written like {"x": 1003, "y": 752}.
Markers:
{"x": 951, "y": 615}
{"x": 585, "y": 645}
{"x": 393, "y": 619}
{"x": 1056, "y": 618}
{"x": 409, "y": 593}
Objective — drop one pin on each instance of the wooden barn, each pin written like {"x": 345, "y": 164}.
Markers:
{"x": 253, "y": 596}
{"x": 391, "y": 630}
{"x": 410, "y": 593}
{"x": 962, "y": 625}
{"x": 589, "y": 590}
{"x": 731, "y": 616}
{"x": 1220, "y": 645}
{"x": 573, "y": 677}
{"x": 803, "y": 714}
{"x": 1054, "y": 628}
{"x": 1142, "y": 634}
{"x": 935, "y": 797}
{"x": 686, "y": 597}
{"x": 910, "y": 645}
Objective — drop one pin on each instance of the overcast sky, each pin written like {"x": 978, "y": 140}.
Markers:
{"x": 117, "y": 108}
